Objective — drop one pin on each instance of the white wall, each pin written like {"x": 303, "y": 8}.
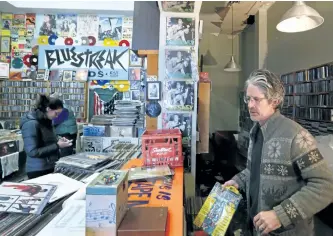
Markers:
{"x": 225, "y": 85}
{"x": 291, "y": 52}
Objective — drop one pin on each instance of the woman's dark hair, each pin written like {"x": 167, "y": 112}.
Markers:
{"x": 44, "y": 102}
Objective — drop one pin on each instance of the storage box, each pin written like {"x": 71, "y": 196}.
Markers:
{"x": 106, "y": 202}
{"x": 144, "y": 221}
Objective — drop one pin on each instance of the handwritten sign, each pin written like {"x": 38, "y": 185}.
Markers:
{"x": 166, "y": 192}
{"x": 104, "y": 63}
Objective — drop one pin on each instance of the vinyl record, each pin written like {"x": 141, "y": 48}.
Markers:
{"x": 17, "y": 63}
{"x": 109, "y": 42}
{"x": 153, "y": 109}
{"x": 77, "y": 41}
{"x": 92, "y": 40}
{"x": 26, "y": 60}
{"x": 85, "y": 41}
{"x": 124, "y": 43}
{"x": 52, "y": 39}
{"x": 69, "y": 41}
{"x": 43, "y": 40}
{"x": 34, "y": 60}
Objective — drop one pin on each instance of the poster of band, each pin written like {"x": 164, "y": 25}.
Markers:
{"x": 178, "y": 64}
{"x": 178, "y": 6}
{"x": 180, "y": 31}
{"x": 181, "y": 121}
{"x": 179, "y": 95}
{"x": 103, "y": 62}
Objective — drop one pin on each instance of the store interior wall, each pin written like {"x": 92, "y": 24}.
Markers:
{"x": 291, "y": 52}
{"x": 224, "y": 104}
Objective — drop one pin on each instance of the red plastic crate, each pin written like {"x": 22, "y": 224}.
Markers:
{"x": 162, "y": 147}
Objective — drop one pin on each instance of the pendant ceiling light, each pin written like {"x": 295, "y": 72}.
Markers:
{"x": 299, "y": 18}
{"x": 232, "y": 66}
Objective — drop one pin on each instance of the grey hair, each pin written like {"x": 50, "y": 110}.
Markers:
{"x": 269, "y": 83}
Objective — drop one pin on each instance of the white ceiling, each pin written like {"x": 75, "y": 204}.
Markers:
{"x": 80, "y": 7}
{"x": 241, "y": 11}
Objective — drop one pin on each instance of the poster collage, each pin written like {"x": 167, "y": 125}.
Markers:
{"x": 23, "y": 34}
{"x": 178, "y": 87}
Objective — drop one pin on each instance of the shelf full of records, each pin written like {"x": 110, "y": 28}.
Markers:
{"x": 309, "y": 99}
{"x": 19, "y": 97}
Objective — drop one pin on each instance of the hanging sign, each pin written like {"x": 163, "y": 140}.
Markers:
{"x": 109, "y": 63}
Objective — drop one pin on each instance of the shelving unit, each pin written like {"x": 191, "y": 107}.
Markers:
{"x": 19, "y": 96}
{"x": 309, "y": 98}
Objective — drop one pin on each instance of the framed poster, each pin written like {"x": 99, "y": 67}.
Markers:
{"x": 154, "y": 90}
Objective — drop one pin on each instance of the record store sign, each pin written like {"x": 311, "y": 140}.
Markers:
{"x": 109, "y": 63}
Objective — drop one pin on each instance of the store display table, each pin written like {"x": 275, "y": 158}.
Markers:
{"x": 162, "y": 193}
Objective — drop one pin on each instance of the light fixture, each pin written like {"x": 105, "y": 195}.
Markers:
{"x": 232, "y": 66}
{"x": 299, "y": 18}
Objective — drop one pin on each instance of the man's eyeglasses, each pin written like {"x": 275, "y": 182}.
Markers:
{"x": 247, "y": 99}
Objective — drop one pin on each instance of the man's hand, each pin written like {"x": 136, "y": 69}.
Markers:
{"x": 266, "y": 222}
{"x": 230, "y": 183}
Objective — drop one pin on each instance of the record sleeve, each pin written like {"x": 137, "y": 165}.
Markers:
{"x": 181, "y": 121}
{"x": 180, "y": 31}
{"x": 179, "y": 95}
{"x": 25, "y": 198}
{"x": 179, "y": 64}
{"x": 178, "y": 6}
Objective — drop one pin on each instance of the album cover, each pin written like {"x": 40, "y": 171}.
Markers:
{"x": 178, "y": 64}
{"x": 127, "y": 95}
{"x": 25, "y": 198}
{"x": 135, "y": 95}
{"x": 122, "y": 131}
{"x": 180, "y": 31}
{"x": 178, "y": 6}
{"x": 134, "y": 73}
{"x": 46, "y": 24}
{"x": 135, "y": 60}
{"x": 179, "y": 95}
{"x": 135, "y": 84}
{"x": 110, "y": 27}
{"x": 81, "y": 74}
{"x": 181, "y": 121}
{"x": 67, "y": 75}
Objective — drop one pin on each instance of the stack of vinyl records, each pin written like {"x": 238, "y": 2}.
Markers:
{"x": 128, "y": 113}
{"x": 105, "y": 120}
{"x": 83, "y": 162}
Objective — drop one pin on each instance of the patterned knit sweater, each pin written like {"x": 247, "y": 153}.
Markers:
{"x": 295, "y": 180}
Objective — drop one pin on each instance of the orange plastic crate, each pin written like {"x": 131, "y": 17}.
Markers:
{"x": 162, "y": 147}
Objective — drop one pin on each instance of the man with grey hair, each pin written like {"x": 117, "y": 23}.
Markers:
{"x": 286, "y": 181}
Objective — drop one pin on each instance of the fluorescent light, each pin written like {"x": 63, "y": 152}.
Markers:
{"x": 76, "y": 5}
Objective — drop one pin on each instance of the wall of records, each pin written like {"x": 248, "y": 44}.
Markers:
{"x": 178, "y": 72}
{"x": 84, "y": 57}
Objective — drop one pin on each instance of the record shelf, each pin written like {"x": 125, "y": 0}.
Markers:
{"x": 309, "y": 98}
{"x": 19, "y": 96}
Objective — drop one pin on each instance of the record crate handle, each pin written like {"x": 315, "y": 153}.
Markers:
{"x": 162, "y": 147}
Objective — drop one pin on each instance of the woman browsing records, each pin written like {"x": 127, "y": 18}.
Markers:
{"x": 40, "y": 141}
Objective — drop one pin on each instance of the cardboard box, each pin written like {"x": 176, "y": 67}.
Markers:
{"x": 144, "y": 221}
{"x": 106, "y": 202}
